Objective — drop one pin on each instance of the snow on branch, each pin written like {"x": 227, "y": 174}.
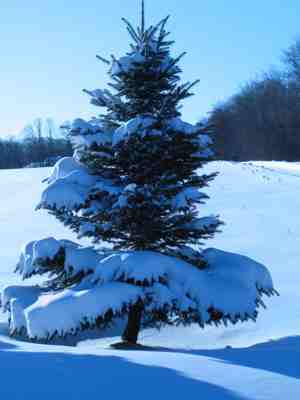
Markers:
{"x": 187, "y": 195}
{"x": 204, "y": 224}
{"x": 125, "y": 64}
{"x": 70, "y": 185}
{"x": 230, "y": 288}
{"x": 62, "y": 313}
{"x": 138, "y": 125}
{"x": 47, "y": 255}
{"x": 84, "y": 134}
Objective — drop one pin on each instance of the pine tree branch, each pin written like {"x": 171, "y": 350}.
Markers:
{"x": 143, "y": 18}
{"x": 174, "y": 62}
{"x": 104, "y": 60}
{"x": 190, "y": 86}
{"x": 131, "y": 31}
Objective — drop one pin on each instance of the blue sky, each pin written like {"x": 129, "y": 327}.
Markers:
{"x": 48, "y": 50}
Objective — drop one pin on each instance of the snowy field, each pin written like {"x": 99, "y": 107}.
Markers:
{"x": 260, "y": 203}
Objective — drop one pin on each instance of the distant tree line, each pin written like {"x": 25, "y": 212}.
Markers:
{"x": 38, "y": 144}
{"x": 262, "y": 120}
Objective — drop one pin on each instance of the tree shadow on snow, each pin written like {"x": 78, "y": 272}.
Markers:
{"x": 49, "y": 375}
{"x": 278, "y": 356}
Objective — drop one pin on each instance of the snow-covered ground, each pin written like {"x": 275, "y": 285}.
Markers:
{"x": 259, "y": 203}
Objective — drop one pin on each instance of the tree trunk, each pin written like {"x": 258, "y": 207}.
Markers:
{"x": 131, "y": 332}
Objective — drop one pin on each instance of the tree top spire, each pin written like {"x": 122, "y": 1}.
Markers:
{"x": 143, "y": 17}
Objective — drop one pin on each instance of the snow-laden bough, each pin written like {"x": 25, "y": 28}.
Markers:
{"x": 229, "y": 290}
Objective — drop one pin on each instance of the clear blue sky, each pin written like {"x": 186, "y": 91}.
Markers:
{"x": 48, "y": 49}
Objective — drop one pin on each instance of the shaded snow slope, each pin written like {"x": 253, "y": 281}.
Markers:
{"x": 265, "y": 372}
{"x": 260, "y": 204}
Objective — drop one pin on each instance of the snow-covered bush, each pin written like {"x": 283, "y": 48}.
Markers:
{"x": 134, "y": 182}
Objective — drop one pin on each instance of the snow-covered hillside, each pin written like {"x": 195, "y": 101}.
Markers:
{"x": 259, "y": 203}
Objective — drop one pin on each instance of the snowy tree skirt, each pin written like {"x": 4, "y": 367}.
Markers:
{"x": 229, "y": 290}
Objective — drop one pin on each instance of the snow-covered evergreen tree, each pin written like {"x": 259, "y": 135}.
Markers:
{"x": 134, "y": 182}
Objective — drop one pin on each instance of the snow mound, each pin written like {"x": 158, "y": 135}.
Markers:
{"x": 68, "y": 187}
{"x": 64, "y": 312}
{"x": 125, "y": 64}
{"x": 183, "y": 199}
{"x": 177, "y": 124}
{"x": 15, "y": 299}
{"x": 84, "y": 134}
{"x": 62, "y": 168}
{"x": 36, "y": 256}
{"x": 34, "y": 251}
{"x": 139, "y": 125}
{"x": 129, "y": 64}
{"x": 145, "y": 125}
{"x": 230, "y": 289}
